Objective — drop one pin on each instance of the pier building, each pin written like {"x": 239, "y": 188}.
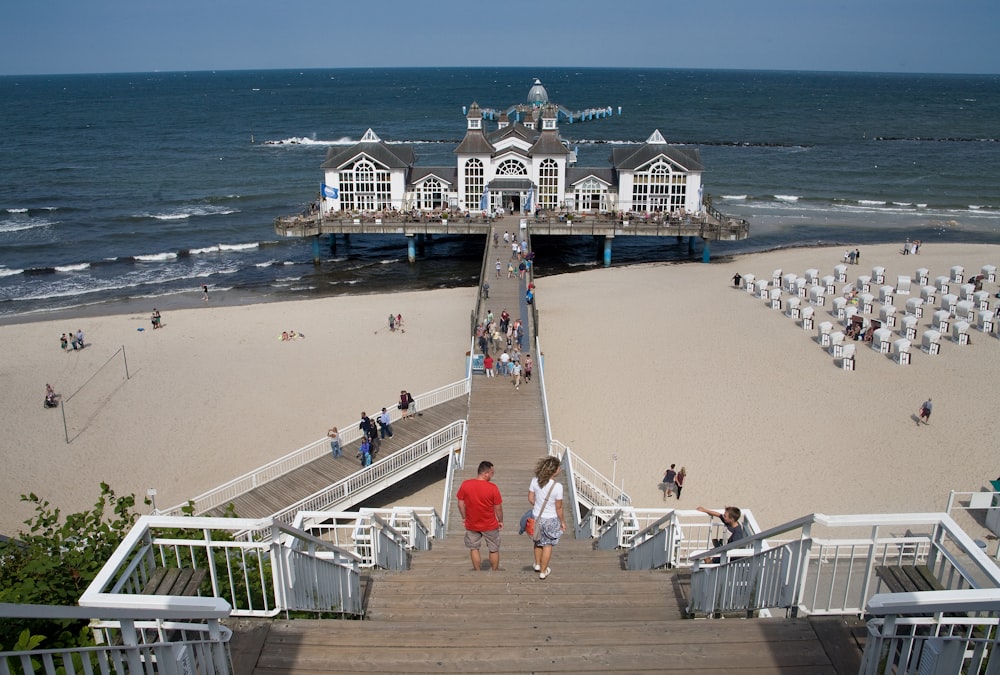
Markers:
{"x": 521, "y": 168}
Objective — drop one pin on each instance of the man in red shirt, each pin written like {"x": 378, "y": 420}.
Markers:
{"x": 481, "y": 508}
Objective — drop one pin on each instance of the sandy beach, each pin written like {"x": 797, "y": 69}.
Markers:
{"x": 658, "y": 364}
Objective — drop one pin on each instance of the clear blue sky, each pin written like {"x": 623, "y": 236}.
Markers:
{"x": 96, "y": 36}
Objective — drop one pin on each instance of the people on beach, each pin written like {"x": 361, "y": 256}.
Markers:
{"x": 51, "y": 397}
{"x": 79, "y": 338}
{"x": 155, "y": 318}
{"x": 392, "y": 323}
{"x": 679, "y": 480}
{"x": 64, "y": 342}
{"x": 668, "y": 486}
{"x": 546, "y": 498}
{"x": 481, "y": 508}
{"x": 731, "y": 519}
{"x": 204, "y": 292}
{"x": 737, "y": 279}
{"x": 925, "y": 413}
{"x": 335, "y": 442}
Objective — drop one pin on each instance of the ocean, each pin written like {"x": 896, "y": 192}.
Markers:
{"x": 122, "y": 192}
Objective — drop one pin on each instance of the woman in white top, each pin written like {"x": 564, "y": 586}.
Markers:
{"x": 549, "y": 521}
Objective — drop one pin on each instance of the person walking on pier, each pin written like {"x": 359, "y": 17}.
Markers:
{"x": 481, "y": 508}
{"x": 546, "y": 498}
{"x": 335, "y": 442}
{"x": 498, "y": 268}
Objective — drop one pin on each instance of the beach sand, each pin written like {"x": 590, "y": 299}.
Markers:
{"x": 666, "y": 364}
{"x": 212, "y": 394}
{"x": 658, "y": 364}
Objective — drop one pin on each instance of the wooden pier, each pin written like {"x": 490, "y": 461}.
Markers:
{"x": 589, "y": 615}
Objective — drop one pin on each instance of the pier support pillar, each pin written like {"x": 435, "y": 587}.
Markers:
{"x": 316, "y": 250}
{"x": 411, "y": 248}
{"x": 332, "y": 242}
{"x": 607, "y": 250}
{"x": 691, "y": 245}
{"x": 706, "y": 252}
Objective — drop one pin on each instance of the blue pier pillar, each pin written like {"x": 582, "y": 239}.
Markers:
{"x": 607, "y": 251}
{"x": 332, "y": 242}
{"x": 316, "y": 250}
{"x": 411, "y": 248}
{"x": 706, "y": 252}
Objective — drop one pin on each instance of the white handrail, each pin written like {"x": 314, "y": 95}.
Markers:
{"x": 226, "y": 492}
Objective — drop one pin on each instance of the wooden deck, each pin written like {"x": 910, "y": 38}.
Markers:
{"x": 590, "y": 615}
{"x": 277, "y": 494}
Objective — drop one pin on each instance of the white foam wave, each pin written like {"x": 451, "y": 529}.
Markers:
{"x": 6, "y": 272}
{"x": 265, "y": 264}
{"x": 871, "y": 202}
{"x": 239, "y": 247}
{"x": 17, "y": 210}
{"x": 735, "y": 198}
{"x": 19, "y": 224}
{"x": 787, "y": 198}
{"x": 185, "y": 212}
{"x": 156, "y": 257}
{"x": 207, "y": 249}
{"x": 79, "y": 267}
{"x": 388, "y": 262}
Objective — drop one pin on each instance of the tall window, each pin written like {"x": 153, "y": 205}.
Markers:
{"x": 678, "y": 191}
{"x": 364, "y": 187}
{"x": 651, "y": 188}
{"x": 474, "y": 184}
{"x": 430, "y": 196}
{"x": 591, "y": 195}
{"x": 548, "y": 184}
{"x": 511, "y": 167}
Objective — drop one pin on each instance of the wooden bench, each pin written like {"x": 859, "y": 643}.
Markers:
{"x": 908, "y": 578}
{"x": 174, "y": 581}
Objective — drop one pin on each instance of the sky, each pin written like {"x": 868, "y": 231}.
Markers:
{"x": 105, "y": 36}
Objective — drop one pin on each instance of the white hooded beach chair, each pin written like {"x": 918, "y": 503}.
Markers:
{"x": 921, "y": 277}
{"x": 807, "y": 318}
{"x": 812, "y": 277}
{"x": 888, "y": 315}
{"x": 990, "y": 272}
{"x": 748, "y": 283}
{"x": 965, "y": 291}
{"x": 882, "y": 340}
{"x": 928, "y": 294}
{"x": 941, "y": 283}
{"x": 863, "y": 284}
{"x": 902, "y": 285}
{"x": 915, "y": 307}
{"x": 866, "y": 303}
{"x": 837, "y": 344}
{"x": 792, "y": 307}
{"x": 966, "y": 311}
{"x": 960, "y": 332}
{"x": 774, "y": 298}
{"x": 829, "y": 283}
{"x": 908, "y": 327}
{"x": 885, "y": 294}
{"x": 982, "y": 300}
{"x": 817, "y": 296}
{"x": 986, "y": 321}
{"x": 949, "y": 303}
{"x": 958, "y": 274}
{"x": 761, "y": 288}
{"x": 878, "y": 274}
{"x": 776, "y": 278}
{"x": 825, "y": 328}
{"x": 901, "y": 351}
{"x": 931, "y": 342}
{"x": 839, "y": 307}
{"x": 840, "y": 273}
{"x": 788, "y": 282}
{"x": 847, "y": 357}
{"x": 942, "y": 320}
{"x": 850, "y": 312}
{"x": 801, "y": 284}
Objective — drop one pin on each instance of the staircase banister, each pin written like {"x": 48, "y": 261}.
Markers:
{"x": 150, "y": 608}
{"x": 389, "y": 529}
{"x": 324, "y": 545}
{"x": 934, "y": 602}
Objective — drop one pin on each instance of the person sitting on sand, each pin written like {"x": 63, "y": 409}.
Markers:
{"x": 284, "y": 336}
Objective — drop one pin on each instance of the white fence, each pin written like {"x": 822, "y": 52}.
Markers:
{"x": 828, "y": 575}
{"x": 227, "y": 492}
{"x": 292, "y": 571}
{"x": 160, "y": 639}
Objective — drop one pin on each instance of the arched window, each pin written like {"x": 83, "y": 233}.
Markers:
{"x": 511, "y": 167}
{"x": 651, "y": 188}
{"x": 430, "y": 195}
{"x": 474, "y": 184}
{"x": 591, "y": 195}
{"x": 548, "y": 184}
{"x": 364, "y": 187}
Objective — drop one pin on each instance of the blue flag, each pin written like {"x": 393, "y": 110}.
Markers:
{"x": 527, "y": 202}
{"x": 329, "y": 192}
{"x": 484, "y": 201}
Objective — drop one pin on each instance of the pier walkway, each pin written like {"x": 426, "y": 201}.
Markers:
{"x": 590, "y": 615}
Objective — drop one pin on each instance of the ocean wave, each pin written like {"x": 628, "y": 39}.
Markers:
{"x": 79, "y": 267}
{"x": 207, "y": 249}
{"x": 938, "y": 139}
{"x": 6, "y": 272}
{"x": 17, "y": 210}
{"x": 734, "y": 198}
{"x": 155, "y": 257}
{"x": 19, "y": 224}
{"x": 185, "y": 212}
{"x": 239, "y": 247}
{"x": 787, "y": 198}
{"x": 266, "y": 263}
{"x": 871, "y": 202}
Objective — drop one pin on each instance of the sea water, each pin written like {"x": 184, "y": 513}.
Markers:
{"x": 140, "y": 188}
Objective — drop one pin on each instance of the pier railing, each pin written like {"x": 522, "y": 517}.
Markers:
{"x": 226, "y": 492}
{"x": 374, "y": 478}
{"x": 834, "y": 575}
{"x": 290, "y": 571}
{"x": 160, "y": 638}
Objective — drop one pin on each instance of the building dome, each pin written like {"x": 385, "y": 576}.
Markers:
{"x": 537, "y": 96}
